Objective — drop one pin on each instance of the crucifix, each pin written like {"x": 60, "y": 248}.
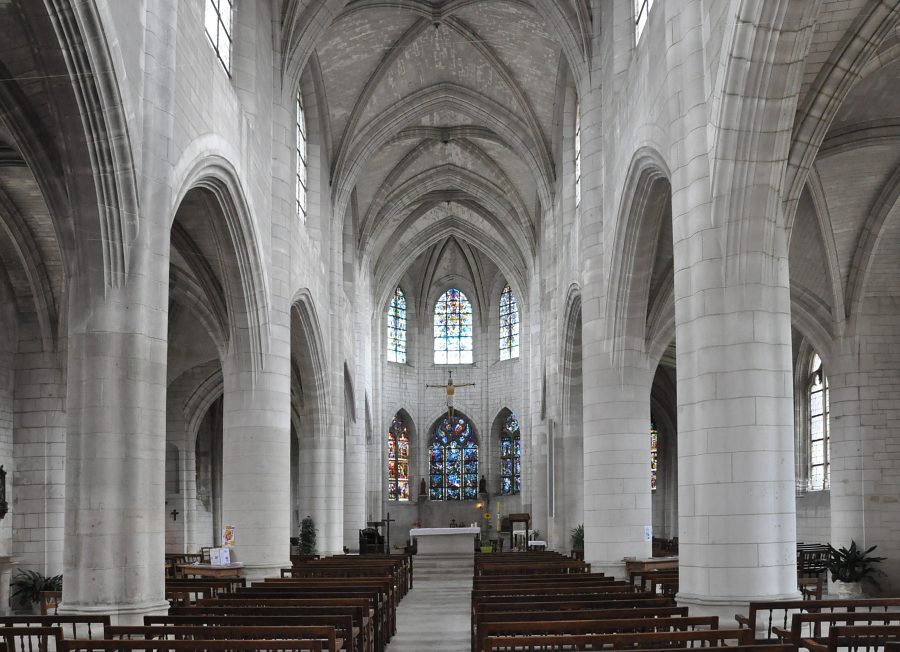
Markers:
{"x": 387, "y": 526}
{"x": 451, "y": 390}
{"x": 174, "y": 514}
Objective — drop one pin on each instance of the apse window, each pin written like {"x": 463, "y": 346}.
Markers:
{"x": 218, "y": 15}
{"x": 453, "y": 460}
{"x": 577, "y": 155}
{"x": 654, "y": 455}
{"x": 641, "y": 12}
{"x": 510, "y": 457}
{"x": 398, "y": 460}
{"x": 453, "y": 329}
{"x": 396, "y": 328}
{"x": 819, "y": 431}
{"x": 509, "y": 325}
{"x": 301, "y": 159}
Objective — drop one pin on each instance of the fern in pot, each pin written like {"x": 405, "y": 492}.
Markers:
{"x": 577, "y": 536}
{"x": 849, "y": 567}
{"x": 28, "y": 585}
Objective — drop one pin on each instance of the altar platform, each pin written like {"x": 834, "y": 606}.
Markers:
{"x": 445, "y": 540}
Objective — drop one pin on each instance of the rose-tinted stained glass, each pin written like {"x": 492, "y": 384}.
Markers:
{"x": 654, "y": 442}
{"x": 396, "y": 327}
{"x": 510, "y": 454}
{"x": 398, "y": 459}
{"x": 453, "y": 461}
{"x": 453, "y": 329}
{"x": 509, "y": 325}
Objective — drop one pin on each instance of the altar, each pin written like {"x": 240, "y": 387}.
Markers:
{"x": 445, "y": 540}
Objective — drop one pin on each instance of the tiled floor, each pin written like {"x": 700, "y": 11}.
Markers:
{"x": 434, "y": 616}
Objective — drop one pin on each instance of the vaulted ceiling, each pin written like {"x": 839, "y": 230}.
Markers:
{"x": 441, "y": 125}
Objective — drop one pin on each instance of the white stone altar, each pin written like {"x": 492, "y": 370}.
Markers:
{"x": 445, "y": 540}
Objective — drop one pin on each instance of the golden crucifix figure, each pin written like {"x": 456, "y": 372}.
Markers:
{"x": 451, "y": 390}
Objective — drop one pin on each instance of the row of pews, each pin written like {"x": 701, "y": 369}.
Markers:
{"x": 543, "y": 601}
{"x": 344, "y": 603}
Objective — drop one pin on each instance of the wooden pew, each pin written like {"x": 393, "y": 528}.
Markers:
{"x": 547, "y": 627}
{"x": 814, "y": 625}
{"x": 357, "y": 609}
{"x": 91, "y": 627}
{"x": 557, "y": 643}
{"x": 345, "y": 633}
{"x": 30, "y": 638}
{"x": 855, "y": 637}
{"x": 778, "y": 612}
{"x": 326, "y": 635}
{"x": 286, "y": 645}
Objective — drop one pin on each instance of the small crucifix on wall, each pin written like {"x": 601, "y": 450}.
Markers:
{"x": 451, "y": 391}
{"x": 174, "y": 514}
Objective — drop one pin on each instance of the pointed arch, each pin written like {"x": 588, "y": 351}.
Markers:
{"x": 400, "y": 446}
{"x": 309, "y": 368}
{"x": 453, "y": 461}
{"x": 508, "y": 435}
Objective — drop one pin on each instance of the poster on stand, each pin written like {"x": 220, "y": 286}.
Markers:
{"x": 228, "y": 536}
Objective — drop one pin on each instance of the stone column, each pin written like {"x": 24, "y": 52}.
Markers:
{"x": 256, "y": 495}
{"x": 354, "y": 483}
{"x": 616, "y": 389}
{"x": 736, "y": 499}
{"x": 115, "y": 444}
{"x": 321, "y": 484}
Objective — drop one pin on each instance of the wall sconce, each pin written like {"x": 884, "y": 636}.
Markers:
{"x": 4, "y": 506}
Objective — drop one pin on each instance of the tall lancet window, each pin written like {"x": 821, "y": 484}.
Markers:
{"x": 819, "y": 431}
{"x": 577, "y": 154}
{"x": 217, "y": 17}
{"x": 453, "y": 329}
{"x": 301, "y": 159}
{"x": 398, "y": 460}
{"x": 509, "y": 325}
{"x": 510, "y": 456}
{"x": 396, "y": 328}
{"x": 654, "y": 455}
{"x": 453, "y": 460}
{"x": 641, "y": 12}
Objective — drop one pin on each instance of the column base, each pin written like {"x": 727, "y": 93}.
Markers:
{"x": 725, "y": 607}
{"x": 609, "y": 568}
{"x": 258, "y": 572}
{"x": 128, "y": 614}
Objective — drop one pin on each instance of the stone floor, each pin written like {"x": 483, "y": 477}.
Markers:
{"x": 434, "y": 616}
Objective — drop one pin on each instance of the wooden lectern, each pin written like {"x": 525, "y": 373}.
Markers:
{"x": 518, "y": 518}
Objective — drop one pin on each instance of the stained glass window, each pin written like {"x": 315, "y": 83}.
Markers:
{"x": 398, "y": 460}
{"x": 453, "y": 329}
{"x": 577, "y": 154}
{"x": 396, "y": 328}
{"x": 217, "y": 19}
{"x": 654, "y": 443}
{"x": 509, "y": 325}
{"x": 641, "y": 12}
{"x": 453, "y": 461}
{"x": 819, "y": 431}
{"x": 510, "y": 456}
{"x": 301, "y": 159}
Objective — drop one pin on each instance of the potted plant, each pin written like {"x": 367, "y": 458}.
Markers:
{"x": 307, "y": 536}
{"x": 850, "y": 566}
{"x": 577, "y": 536}
{"x": 28, "y": 585}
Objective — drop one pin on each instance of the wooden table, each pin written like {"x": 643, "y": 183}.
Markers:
{"x": 208, "y": 570}
{"x": 653, "y": 563}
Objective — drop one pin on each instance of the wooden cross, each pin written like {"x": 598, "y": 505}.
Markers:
{"x": 387, "y": 527}
{"x": 451, "y": 390}
{"x": 174, "y": 514}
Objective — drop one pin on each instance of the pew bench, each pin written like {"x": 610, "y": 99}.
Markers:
{"x": 765, "y": 615}
{"x": 559, "y": 642}
{"x": 326, "y": 635}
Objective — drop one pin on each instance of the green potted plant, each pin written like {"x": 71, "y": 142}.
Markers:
{"x": 28, "y": 585}
{"x": 850, "y": 566}
{"x": 577, "y": 536}
{"x": 307, "y": 536}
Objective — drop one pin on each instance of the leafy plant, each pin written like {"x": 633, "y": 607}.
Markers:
{"x": 577, "y": 535}
{"x": 27, "y": 585}
{"x": 307, "y": 536}
{"x": 852, "y": 564}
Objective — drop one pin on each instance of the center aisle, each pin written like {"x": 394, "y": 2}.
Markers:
{"x": 434, "y": 616}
